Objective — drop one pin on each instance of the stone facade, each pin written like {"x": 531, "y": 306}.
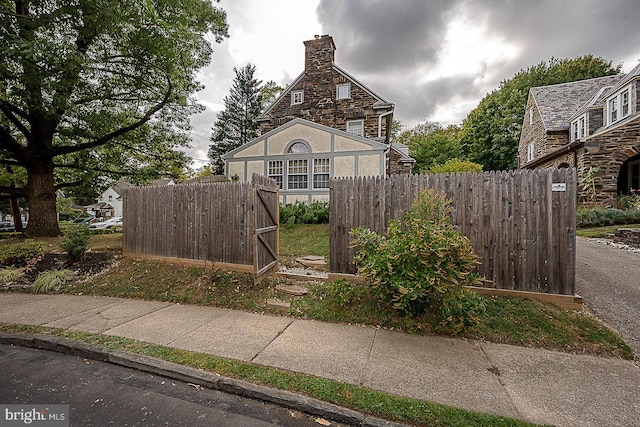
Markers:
{"x": 320, "y": 102}
{"x": 606, "y": 149}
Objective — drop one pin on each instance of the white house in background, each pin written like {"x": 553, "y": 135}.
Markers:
{"x": 302, "y": 156}
{"x": 109, "y": 203}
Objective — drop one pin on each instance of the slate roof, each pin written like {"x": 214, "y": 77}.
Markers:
{"x": 558, "y": 103}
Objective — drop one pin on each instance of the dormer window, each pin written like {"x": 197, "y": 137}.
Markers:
{"x": 343, "y": 91}
{"x": 579, "y": 128}
{"x": 297, "y": 96}
{"x": 618, "y": 106}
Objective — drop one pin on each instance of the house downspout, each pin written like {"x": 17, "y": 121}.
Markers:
{"x": 380, "y": 126}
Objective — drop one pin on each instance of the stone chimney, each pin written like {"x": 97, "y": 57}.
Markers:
{"x": 318, "y": 55}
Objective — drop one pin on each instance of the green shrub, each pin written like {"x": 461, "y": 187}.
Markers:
{"x": 456, "y": 165}
{"x": 21, "y": 252}
{"x": 627, "y": 202}
{"x": 597, "y": 217}
{"x": 47, "y": 281}
{"x": 305, "y": 213}
{"x": 421, "y": 263}
{"x": 75, "y": 241}
{"x": 345, "y": 293}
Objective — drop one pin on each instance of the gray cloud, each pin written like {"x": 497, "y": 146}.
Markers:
{"x": 385, "y": 36}
{"x": 386, "y": 43}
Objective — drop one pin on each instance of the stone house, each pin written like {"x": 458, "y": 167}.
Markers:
{"x": 592, "y": 125}
{"x": 327, "y": 103}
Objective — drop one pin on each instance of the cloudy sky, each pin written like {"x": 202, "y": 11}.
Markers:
{"x": 435, "y": 59}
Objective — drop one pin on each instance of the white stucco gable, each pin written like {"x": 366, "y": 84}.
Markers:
{"x": 302, "y": 156}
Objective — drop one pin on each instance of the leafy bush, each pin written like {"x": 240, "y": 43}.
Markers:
{"x": 345, "y": 293}
{"x": 456, "y": 165}
{"x": 20, "y": 253}
{"x": 49, "y": 280}
{"x": 597, "y": 217}
{"x": 75, "y": 241}
{"x": 305, "y": 213}
{"x": 627, "y": 202}
{"x": 421, "y": 263}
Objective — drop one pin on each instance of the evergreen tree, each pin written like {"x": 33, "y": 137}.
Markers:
{"x": 236, "y": 124}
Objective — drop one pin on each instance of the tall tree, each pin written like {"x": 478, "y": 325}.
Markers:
{"x": 491, "y": 132}
{"x": 431, "y": 144}
{"x": 270, "y": 92}
{"x": 95, "y": 88}
{"x": 236, "y": 124}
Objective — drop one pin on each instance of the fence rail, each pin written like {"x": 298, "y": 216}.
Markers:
{"x": 521, "y": 223}
{"x": 212, "y": 222}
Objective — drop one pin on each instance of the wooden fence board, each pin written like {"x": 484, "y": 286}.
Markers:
{"x": 521, "y": 230}
{"x": 211, "y": 222}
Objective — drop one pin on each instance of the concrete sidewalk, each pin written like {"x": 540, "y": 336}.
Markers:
{"x": 535, "y": 385}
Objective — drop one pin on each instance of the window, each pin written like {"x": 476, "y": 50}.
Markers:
{"x": 579, "y": 128}
{"x": 320, "y": 173}
{"x": 343, "y": 91}
{"x": 274, "y": 170}
{"x": 297, "y": 174}
{"x": 618, "y": 106}
{"x": 530, "y": 151}
{"x": 298, "y": 148}
{"x": 356, "y": 127}
{"x": 530, "y": 115}
{"x": 297, "y": 96}
{"x": 624, "y": 103}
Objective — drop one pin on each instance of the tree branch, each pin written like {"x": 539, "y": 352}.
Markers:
{"x": 7, "y": 192}
{"x": 8, "y": 142}
{"x": 10, "y": 111}
{"x": 106, "y": 138}
{"x": 83, "y": 167}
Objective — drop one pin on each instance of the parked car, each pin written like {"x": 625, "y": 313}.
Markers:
{"x": 7, "y": 226}
{"x": 116, "y": 221}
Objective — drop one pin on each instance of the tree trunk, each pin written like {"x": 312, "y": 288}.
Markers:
{"x": 15, "y": 212}
{"x": 41, "y": 198}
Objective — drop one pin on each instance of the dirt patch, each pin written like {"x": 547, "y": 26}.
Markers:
{"x": 90, "y": 264}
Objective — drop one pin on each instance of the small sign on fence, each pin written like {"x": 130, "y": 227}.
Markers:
{"x": 558, "y": 186}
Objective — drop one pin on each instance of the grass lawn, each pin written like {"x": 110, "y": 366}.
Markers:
{"x": 601, "y": 232}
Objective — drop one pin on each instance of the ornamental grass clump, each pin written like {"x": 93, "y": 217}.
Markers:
{"x": 422, "y": 264}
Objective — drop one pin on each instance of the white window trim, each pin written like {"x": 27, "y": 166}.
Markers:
{"x": 323, "y": 172}
{"x": 530, "y": 151}
{"x": 530, "y": 115}
{"x": 354, "y": 122}
{"x": 348, "y": 86}
{"x": 297, "y": 163}
{"x": 293, "y": 97}
{"x": 617, "y": 101}
{"x": 273, "y": 169}
{"x": 578, "y": 128}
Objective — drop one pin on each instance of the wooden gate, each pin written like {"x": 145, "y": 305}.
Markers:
{"x": 266, "y": 225}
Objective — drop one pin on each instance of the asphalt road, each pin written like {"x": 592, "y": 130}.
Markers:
{"x": 608, "y": 279}
{"x": 101, "y": 394}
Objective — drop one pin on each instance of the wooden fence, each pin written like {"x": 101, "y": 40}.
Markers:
{"x": 216, "y": 223}
{"x": 521, "y": 224}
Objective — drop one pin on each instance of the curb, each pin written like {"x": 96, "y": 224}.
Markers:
{"x": 200, "y": 377}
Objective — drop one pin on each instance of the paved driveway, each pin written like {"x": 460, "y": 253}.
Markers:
{"x": 608, "y": 278}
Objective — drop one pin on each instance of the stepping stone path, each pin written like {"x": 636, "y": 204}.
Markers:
{"x": 292, "y": 289}
{"x": 311, "y": 260}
